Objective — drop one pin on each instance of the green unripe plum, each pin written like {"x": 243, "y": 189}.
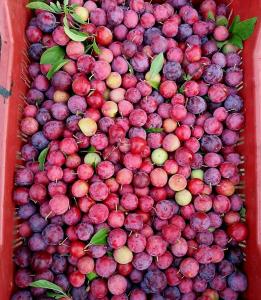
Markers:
{"x": 155, "y": 79}
{"x": 197, "y": 174}
{"x": 82, "y": 12}
{"x": 221, "y": 21}
{"x": 88, "y": 126}
{"x": 109, "y": 109}
{"x": 92, "y": 159}
{"x": 229, "y": 48}
{"x": 123, "y": 255}
{"x": 183, "y": 197}
{"x": 106, "y": 94}
{"x": 114, "y": 80}
{"x": 159, "y": 156}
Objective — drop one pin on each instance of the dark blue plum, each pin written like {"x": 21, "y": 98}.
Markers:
{"x": 46, "y": 21}
{"x": 39, "y": 141}
{"x": 35, "y": 51}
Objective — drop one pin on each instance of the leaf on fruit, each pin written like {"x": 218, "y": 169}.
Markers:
{"x": 77, "y": 18}
{"x": 91, "y": 276}
{"x": 235, "y": 21}
{"x": 154, "y": 84}
{"x": 236, "y": 41}
{"x": 56, "y": 67}
{"x": 223, "y": 21}
{"x": 156, "y": 65}
{"x": 245, "y": 28}
{"x": 87, "y": 48}
{"x": 42, "y": 157}
{"x": 73, "y": 5}
{"x": 154, "y": 130}
{"x": 54, "y": 295}
{"x": 45, "y": 284}
{"x": 75, "y": 35}
{"x": 130, "y": 68}
{"x": 91, "y": 149}
{"x": 65, "y": 2}
{"x": 242, "y": 212}
{"x": 55, "y": 7}
{"x": 211, "y": 16}
{"x": 187, "y": 77}
{"x": 221, "y": 44}
{"x": 40, "y": 5}
{"x": 95, "y": 47}
{"x": 181, "y": 89}
{"x": 52, "y": 55}
{"x": 58, "y": 4}
{"x": 100, "y": 237}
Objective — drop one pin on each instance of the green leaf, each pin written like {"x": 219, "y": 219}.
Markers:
{"x": 74, "y": 5}
{"x": 91, "y": 149}
{"x": 245, "y": 28}
{"x": 65, "y": 22}
{"x": 242, "y": 212}
{"x": 235, "y": 21}
{"x": 77, "y": 18}
{"x": 45, "y": 284}
{"x": 54, "y": 7}
{"x": 187, "y": 77}
{"x": 211, "y": 16}
{"x": 100, "y": 237}
{"x": 65, "y": 2}
{"x": 52, "y": 55}
{"x": 95, "y": 47}
{"x": 87, "y": 48}
{"x": 91, "y": 276}
{"x": 181, "y": 89}
{"x": 236, "y": 41}
{"x": 156, "y": 65}
{"x": 222, "y": 21}
{"x": 54, "y": 295}
{"x": 154, "y": 130}
{"x": 75, "y": 35}
{"x": 154, "y": 84}
{"x": 56, "y": 67}
{"x": 221, "y": 44}
{"x": 42, "y": 158}
{"x": 40, "y": 5}
{"x": 59, "y": 5}
{"x": 130, "y": 68}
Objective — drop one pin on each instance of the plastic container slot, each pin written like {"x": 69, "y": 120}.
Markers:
{"x": 13, "y": 59}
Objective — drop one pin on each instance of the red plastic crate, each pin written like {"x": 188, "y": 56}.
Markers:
{"x": 13, "y": 20}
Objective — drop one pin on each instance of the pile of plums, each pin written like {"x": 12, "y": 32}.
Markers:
{"x": 158, "y": 167}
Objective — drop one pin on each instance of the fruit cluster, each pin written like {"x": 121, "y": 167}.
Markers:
{"x": 133, "y": 135}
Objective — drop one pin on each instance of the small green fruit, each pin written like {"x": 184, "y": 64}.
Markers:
{"x": 88, "y": 126}
{"x": 159, "y": 156}
{"x": 229, "y": 48}
{"x": 197, "y": 174}
{"x": 123, "y": 255}
{"x": 221, "y": 21}
{"x": 92, "y": 159}
{"x": 183, "y": 197}
{"x": 82, "y": 12}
